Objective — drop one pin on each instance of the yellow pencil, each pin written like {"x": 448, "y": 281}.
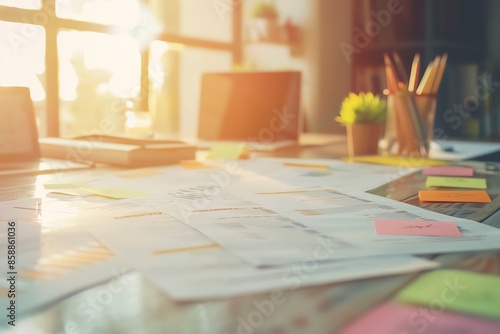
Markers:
{"x": 414, "y": 74}
{"x": 439, "y": 74}
{"x": 293, "y": 164}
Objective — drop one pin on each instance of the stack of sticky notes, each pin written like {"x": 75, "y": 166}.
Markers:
{"x": 442, "y": 301}
{"x": 459, "y": 179}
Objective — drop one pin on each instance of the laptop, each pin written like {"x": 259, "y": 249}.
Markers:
{"x": 19, "y": 147}
{"x": 260, "y": 108}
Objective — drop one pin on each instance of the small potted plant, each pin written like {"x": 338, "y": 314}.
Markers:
{"x": 363, "y": 115}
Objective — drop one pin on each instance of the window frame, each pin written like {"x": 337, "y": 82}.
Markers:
{"x": 53, "y": 24}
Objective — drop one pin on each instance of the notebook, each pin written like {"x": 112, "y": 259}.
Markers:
{"x": 19, "y": 147}
{"x": 260, "y": 108}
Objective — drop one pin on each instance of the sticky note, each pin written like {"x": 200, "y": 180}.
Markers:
{"x": 394, "y": 317}
{"x": 64, "y": 185}
{"x": 448, "y": 171}
{"x": 139, "y": 173}
{"x": 456, "y": 290}
{"x": 396, "y": 160}
{"x": 193, "y": 164}
{"x": 417, "y": 227}
{"x": 455, "y": 182}
{"x": 69, "y": 191}
{"x": 68, "y": 188}
{"x": 116, "y": 193}
{"x": 229, "y": 151}
{"x": 454, "y": 196}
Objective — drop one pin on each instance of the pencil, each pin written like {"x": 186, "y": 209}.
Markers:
{"x": 425, "y": 86}
{"x": 293, "y": 164}
{"x": 414, "y": 73}
{"x": 401, "y": 69}
{"x": 439, "y": 74}
{"x": 425, "y": 78}
{"x": 392, "y": 81}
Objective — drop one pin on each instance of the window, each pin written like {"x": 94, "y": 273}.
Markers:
{"x": 89, "y": 61}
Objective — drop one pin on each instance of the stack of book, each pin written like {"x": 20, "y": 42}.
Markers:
{"x": 117, "y": 150}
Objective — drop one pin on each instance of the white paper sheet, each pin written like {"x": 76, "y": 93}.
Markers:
{"x": 281, "y": 227}
{"x": 189, "y": 266}
{"x": 454, "y": 150}
{"x": 52, "y": 264}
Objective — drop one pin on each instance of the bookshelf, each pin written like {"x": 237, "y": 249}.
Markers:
{"x": 468, "y": 107}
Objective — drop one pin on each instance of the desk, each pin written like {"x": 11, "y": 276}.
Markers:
{"x": 142, "y": 308}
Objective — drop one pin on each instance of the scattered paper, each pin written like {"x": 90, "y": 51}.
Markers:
{"x": 57, "y": 263}
{"x": 455, "y": 182}
{"x": 448, "y": 171}
{"x": 189, "y": 266}
{"x": 454, "y": 196}
{"x": 417, "y": 227}
{"x": 280, "y": 227}
{"x": 116, "y": 193}
{"x": 319, "y": 173}
{"x": 456, "y": 290}
{"x": 139, "y": 173}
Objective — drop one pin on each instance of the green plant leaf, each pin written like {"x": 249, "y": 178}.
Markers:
{"x": 362, "y": 108}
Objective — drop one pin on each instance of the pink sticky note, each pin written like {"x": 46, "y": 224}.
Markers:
{"x": 393, "y": 317}
{"x": 448, "y": 171}
{"x": 417, "y": 227}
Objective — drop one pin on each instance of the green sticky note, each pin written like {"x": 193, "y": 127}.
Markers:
{"x": 455, "y": 290}
{"x": 116, "y": 193}
{"x": 455, "y": 182}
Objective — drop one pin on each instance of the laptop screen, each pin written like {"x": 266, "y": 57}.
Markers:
{"x": 250, "y": 106}
{"x": 18, "y": 130}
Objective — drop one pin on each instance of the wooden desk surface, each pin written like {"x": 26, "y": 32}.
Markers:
{"x": 140, "y": 307}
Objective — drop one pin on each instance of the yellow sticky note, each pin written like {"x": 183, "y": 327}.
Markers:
{"x": 455, "y": 290}
{"x": 139, "y": 173}
{"x": 397, "y": 160}
{"x": 229, "y": 151}
{"x": 116, "y": 193}
{"x": 69, "y": 191}
{"x": 64, "y": 185}
{"x": 455, "y": 182}
{"x": 193, "y": 164}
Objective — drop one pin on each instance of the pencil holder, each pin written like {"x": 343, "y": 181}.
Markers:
{"x": 410, "y": 123}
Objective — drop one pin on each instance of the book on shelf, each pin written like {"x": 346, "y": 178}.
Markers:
{"x": 121, "y": 151}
